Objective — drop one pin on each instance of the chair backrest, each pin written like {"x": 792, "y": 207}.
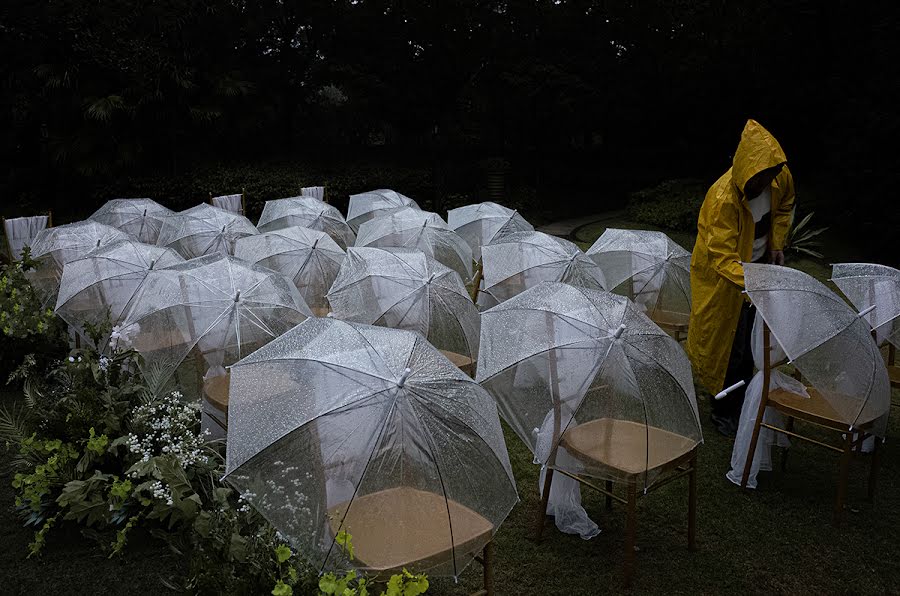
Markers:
{"x": 21, "y": 231}
{"x": 317, "y": 192}
{"x": 233, "y": 203}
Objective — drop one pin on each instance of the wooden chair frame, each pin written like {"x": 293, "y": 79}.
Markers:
{"x": 678, "y": 468}
{"x": 684, "y": 465}
{"x": 893, "y": 370}
{"x": 851, "y": 442}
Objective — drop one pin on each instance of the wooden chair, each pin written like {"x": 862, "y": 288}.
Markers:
{"x": 620, "y": 449}
{"x": 675, "y": 324}
{"x": 406, "y": 528}
{"x": 815, "y": 410}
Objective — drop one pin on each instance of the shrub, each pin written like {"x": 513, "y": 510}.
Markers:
{"x": 25, "y": 326}
{"x": 673, "y": 204}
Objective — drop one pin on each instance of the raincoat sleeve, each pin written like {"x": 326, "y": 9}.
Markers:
{"x": 722, "y": 233}
{"x": 782, "y": 207}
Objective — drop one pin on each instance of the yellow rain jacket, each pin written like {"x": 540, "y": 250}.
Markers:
{"x": 725, "y": 232}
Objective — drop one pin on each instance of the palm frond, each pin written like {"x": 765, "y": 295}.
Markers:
{"x": 14, "y": 427}
{"x": 807, "y": 251}
{"x": 103, "y": 108}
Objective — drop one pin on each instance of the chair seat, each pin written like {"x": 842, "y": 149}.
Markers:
{"x": 406, "y": 527}
{"x": 621, "y": 446}
{"x": 814, "y": 408}
{"x": 464, "y": 363}
{"x": 215, "y": 389}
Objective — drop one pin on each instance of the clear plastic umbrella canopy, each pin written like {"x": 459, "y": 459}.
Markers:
{"x": 585, "y": 371}
{"x": 195, "y": 318}
{"x": 404, "y": 289}
{"x": 648, "y": 268}
{"x": 482, "y": 223}
{"x": 876, "y": 289}
{"x": 422, "y": 230}
{"x": 519, "y": 261}
{"x": 311, "y": 259}
{"x": 375, "y": 203}
{"x": 341, "y": 427}
{"x": 141, "y": 218}
{"x": 307, "y": 212}
{"x": 826, "y": 340}
{"x": 54, "y": 247}
{"x": 204, "y": 230}
{"x": 98, "y": 287}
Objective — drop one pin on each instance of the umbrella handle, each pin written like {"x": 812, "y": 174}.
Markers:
{"x": 728, "y": 390}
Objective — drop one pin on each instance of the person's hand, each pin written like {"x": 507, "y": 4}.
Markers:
{"x": 776, "y": 257}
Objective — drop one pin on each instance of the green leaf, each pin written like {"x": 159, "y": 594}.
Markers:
{"x": 282, "y": 589}
{"x": 282, "y": 553}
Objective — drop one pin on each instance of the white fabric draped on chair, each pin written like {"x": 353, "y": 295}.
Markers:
{"x": 233, "y": 203}
{"x": 317, "y": 192}
{"x": 21, "y": 231}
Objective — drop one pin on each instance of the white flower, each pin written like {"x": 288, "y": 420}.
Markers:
{"x": 71, "y": 359}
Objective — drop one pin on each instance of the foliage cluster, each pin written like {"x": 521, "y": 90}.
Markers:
{"x": 670, "y": 205}
{"x": 26, "y": 327}
{"x": 109, "y": 449}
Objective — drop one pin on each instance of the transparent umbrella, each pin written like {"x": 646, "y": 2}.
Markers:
{"x": 648, "y": 268}
{"x": 341, "y": 427}
{"x": 193, "y": 319}
{"x": 204, "y": 230}
{"x": 375, "y": 203}
{"x": 404, "y": 289}
{"x": 868, "y": 285}
{"x": 423, "y": 230}
{"x": 308, "y": 257}
{"x": 826, "y": 340}
{"x": 519, "y": 261}
{"x": 142, "y": 218}
{"x": 98, "y": 287}
{"x": 480, "y": 224}
{"x": 589, "y": 383}
{"x": 307, "y": 212}
{"x": 54, "y": 247}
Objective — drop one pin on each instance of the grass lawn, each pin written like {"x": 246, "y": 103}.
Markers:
{"x": 776, "y": 539}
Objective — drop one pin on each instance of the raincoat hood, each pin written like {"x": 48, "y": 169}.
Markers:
{"x": 757, "y": 151}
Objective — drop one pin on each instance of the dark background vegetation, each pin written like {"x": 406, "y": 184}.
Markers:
{"x": 586, "y": 100}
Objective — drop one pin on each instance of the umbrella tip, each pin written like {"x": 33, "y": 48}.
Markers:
{"x": 619, "y": 331}
{"x": 237, "y": 297}
{"x": 145, "y": 213}
{"x": 152, "y": 263}
{"x": 402, "y": 381}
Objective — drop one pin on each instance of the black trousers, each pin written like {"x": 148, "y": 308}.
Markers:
{"x": 740, "y": 365}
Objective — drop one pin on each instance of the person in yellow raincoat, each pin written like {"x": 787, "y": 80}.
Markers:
{"x": 745, "y": 217}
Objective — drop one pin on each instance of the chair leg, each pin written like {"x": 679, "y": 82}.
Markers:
{"x": 692, "y": 505}
{"x": 488, "y": 558}
{"x": 609, "y": 500}
{"x": 754, "y": 439}
{"x": 874, "y": 467}
{"x": 630, "y": 533}
{"x": 784, "y": 452}
{"x": 843, "y": 479}
{"x": 545, "y": 498}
